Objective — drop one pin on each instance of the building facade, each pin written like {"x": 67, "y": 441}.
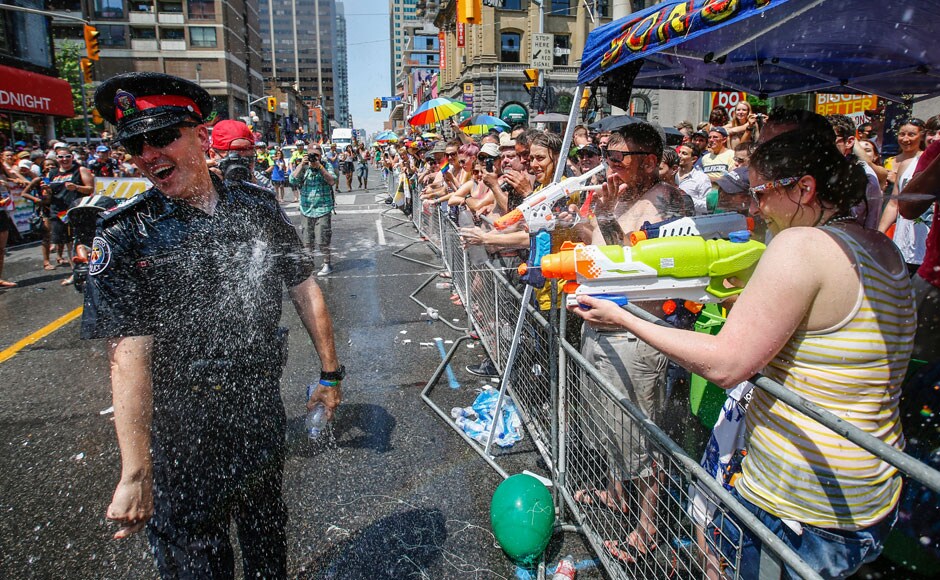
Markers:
{"x": 341, "y": 70}
{"x": 211, "y": 42}
{"x": 484, "y": 64}
{"x": 400, "y": 12}
{"x": 31, "y": 94}
{"x": 302, "y": 34}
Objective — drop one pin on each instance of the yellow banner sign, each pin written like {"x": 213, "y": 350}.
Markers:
{"x": 121, "y": 187}
{"x": 830, "y": 104}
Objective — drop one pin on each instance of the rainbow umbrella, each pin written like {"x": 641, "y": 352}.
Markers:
{"x": 481, "y": 124}
{"x": 386, "y": 137}
{"x": 436, "y": 110}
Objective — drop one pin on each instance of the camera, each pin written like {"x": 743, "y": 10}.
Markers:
{"x": 489, "y": 164}
{"x": 234, "y": 167}
{"x": 313, "y": 158}
{"x": 507, "y": 188}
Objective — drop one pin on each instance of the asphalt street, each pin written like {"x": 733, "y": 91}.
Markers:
{"x": 393, "y": 493}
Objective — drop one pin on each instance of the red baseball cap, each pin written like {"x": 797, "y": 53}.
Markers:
{"x": 224, "y": 132}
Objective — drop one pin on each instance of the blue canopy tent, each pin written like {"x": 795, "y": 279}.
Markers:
{"x": 769, "y": 48}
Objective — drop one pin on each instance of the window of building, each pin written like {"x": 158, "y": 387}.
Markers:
{"x": 512, "y": 4}
{"x": 172, "y": 33}
{"x": 109, "y": 8}
{"x": 509, "y": 46}
{"x": 561, "y": 7}
{"x": 201, "y": 9}
{"x": 112, "y": 35}
{"x": 172, "y": 7}
{"x": 640, "y": 106}
{"x": 202, "y": 37}
{"x": 140, "y": 5}
{"x": 562, "y": 49}
{"x": 143, "y": 33}
{"x": 65, "y": 5}
{"x": 603, "y": 8}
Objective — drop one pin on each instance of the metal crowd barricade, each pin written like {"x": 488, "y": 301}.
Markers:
{"x": 584, "y": 428}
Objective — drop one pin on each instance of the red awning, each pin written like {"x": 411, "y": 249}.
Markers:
{"x": 30, "y": 92}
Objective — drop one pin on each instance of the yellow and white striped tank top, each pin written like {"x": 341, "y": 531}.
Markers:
{"x": 799, "y": 470}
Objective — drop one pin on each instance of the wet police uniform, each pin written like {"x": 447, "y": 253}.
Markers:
{"x": 209, "y": 290}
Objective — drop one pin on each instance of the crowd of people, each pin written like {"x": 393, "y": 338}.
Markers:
{"x": 829, "y": 312}
{"x": 52, "y": 178}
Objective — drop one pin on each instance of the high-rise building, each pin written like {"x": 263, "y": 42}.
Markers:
{"x": 303, "y": 55}
{"x": 400, "y": 12}
{"x": 211, "y": 42}
{"x": 341, "y": 69}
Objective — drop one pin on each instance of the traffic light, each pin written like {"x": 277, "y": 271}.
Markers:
{"x": 585, "y": 97}
{"x": 272, "y": 104}
{"x": 87, "y": 68}
{"x": 470, "y": 11}
{"x": 377, "y": 104}
{"x": 91, "y": 41}
{"x": 532, "y": 78}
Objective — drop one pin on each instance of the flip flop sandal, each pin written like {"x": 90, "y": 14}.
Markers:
{"x": 628, "y": 552}
{"x": 48, "y": 267}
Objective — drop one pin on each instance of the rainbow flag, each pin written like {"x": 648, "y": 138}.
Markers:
{"x": 445, "y": 168}
{"x": 63, "y": 215}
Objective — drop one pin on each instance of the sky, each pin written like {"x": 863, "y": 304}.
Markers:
{"x": 367, "y": 45}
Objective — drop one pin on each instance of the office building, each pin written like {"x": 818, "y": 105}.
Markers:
{"x": 341, "y": 70}
{"x": 400, "y": 12}
{"x": 211, "y": 42}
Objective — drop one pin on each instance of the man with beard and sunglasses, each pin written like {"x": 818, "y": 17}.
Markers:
{"x": 186, "y": 286}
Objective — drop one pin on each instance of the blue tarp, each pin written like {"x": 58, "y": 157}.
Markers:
{"x": 775, "y": 47}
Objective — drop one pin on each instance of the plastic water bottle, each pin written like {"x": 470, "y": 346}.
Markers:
{"x": 565, "y": 569}
{"x": 316, "y": 418}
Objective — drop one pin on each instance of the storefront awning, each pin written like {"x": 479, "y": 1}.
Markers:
{"x": 30, "y": 92}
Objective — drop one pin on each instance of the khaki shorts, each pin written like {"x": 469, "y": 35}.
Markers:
{"x": 318, "y": 232}
{"x": 637, "y": 372}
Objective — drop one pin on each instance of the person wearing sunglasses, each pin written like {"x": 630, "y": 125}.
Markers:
{"x": 823, "y": 282}
{"x": 185, "y": 284}
{"x": 68, "y": 181}
{"x": 633, "y": 194}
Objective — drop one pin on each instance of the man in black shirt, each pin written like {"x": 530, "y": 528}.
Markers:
{"x": 185, "y": 283}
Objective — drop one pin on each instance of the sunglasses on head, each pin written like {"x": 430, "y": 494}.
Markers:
{"x": 617, "y": 156}
{"x": 157, "y": 139}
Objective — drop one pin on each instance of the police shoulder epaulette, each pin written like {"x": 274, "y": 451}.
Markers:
{"x": 127, "y": 206}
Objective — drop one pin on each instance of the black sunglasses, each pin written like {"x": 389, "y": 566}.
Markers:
{"x": 158, "y": 138}
{"x": 617, "y": 156}
{"x": 914, "y": 121}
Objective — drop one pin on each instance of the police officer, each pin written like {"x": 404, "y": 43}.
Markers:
{"x": 185, "y": 283}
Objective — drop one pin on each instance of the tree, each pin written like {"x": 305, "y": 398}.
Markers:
{"x": 68, "y": 55}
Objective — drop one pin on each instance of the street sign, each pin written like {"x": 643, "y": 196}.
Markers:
{"x": 543, "y": 49}
{"x": 391, "y": 99}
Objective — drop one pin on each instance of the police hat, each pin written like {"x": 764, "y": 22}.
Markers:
{"x": 140, "y": 102}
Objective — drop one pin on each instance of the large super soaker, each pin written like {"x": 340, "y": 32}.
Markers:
{"x": 537, "y": 210}
{"x": 690, "y": 268}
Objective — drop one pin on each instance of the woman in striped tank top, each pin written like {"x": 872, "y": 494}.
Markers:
{"x": 829, "y": 314}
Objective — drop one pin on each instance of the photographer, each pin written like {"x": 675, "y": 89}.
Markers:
{"x": 233, "y": 154}
{"x": 314, "y": 179}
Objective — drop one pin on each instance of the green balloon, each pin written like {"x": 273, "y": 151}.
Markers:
{"x": 522, "y": 515}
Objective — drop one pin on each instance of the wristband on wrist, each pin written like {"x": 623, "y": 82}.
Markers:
{"x": 333, "y": 376}
{"x": 329, "y": 384}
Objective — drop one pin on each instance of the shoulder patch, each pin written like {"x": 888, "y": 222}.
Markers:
{"x": 99, "y": 257}
{"x": 127, "y": 206}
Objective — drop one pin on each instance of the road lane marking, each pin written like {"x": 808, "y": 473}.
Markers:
{"x": 378, "y": 228}
{"x": 9, "y": 352}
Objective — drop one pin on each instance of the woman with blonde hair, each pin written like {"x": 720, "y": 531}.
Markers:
{"x": 742, "y": 127}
